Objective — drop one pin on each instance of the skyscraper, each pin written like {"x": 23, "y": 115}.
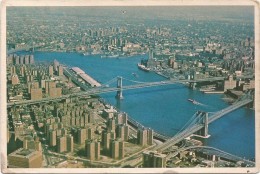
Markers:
{"x": 52, "y": 137}
{"x": 142, "y": 137}
{"x": 31, "y": 59}
{"x": 122, "y": 132}
{"x": 106, "y": 136}
{"x": 70, "y": 143}
{"x": 149, "y": 136}
{"x": 154, "y": 159}
{"x": 60, "y": 70}
{"x": 15, "y": 79}
{"x": 111, "y": 125}
{"x": 82, "y": 135}
{"x": 145, "y": 136}
{"x": 92, "y": 149}
{"x": 61, "y": 144}
{"x": 50, "y": 70}
{"x": 117, "y": 149}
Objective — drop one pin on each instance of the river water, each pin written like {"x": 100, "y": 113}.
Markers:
{"x": 165, "y": 108}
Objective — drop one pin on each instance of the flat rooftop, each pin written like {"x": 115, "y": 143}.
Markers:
{"x": 86, "y": 77}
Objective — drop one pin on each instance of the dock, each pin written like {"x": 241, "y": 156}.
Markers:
{"x": 213, "y": 92}
{"x": 86, "y": 77}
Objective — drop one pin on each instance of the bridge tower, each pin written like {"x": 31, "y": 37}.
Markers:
{"x": 204, "y": 120}
{"x": 119, "y": 94}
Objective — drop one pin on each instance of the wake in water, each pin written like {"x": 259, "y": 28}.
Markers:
{"x": 197, "y": 103}
{"x": 201, "y": 104}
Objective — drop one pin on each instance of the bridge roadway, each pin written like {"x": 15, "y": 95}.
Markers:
{"x": 156, "y": 134}
{"x": 94, "y": 91}
{"x": 22, "y": 49}
{"x": 213, "y": 151}
{"x": 196, "y": 127}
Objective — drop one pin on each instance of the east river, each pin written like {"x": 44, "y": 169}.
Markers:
{"x": 165, "y": 108}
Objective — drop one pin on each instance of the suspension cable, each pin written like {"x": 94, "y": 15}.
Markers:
{"x": 109, "y": 82}
{"x": 133, "y": 80}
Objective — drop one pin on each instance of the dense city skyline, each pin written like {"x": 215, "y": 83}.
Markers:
{"x": 57, "y": 113}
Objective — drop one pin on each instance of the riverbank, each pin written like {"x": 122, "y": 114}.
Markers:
{"x": 165, "y": 108}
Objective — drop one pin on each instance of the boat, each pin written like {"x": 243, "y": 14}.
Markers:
{"x": 134, "y": 74}
{"x": 192, "y": 101}
{"x": 142, "y": 67}
{"x": 110, "y": 56}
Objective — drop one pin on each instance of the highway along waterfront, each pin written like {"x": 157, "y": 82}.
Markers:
{"x": 165, "y": 109}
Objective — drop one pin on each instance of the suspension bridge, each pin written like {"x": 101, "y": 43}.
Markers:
{"x": 31, "y": 46}
{"x": 213, "y": 151}
{"x": 105, "y": 88}
{"x": 198, "y": 124}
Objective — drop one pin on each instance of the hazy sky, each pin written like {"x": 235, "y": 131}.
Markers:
{"x": 175, "y": 12}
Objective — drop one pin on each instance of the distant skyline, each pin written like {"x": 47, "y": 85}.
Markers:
{"x": 235, "y": 13}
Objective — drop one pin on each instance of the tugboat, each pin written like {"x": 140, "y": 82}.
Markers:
{"x": 193, "y": 101}
{"x": 142, "y": 67}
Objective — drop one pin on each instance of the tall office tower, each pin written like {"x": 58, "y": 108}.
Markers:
{"x": 70, "y": 143}
{"x": 121, "y": 118}
{"x": 52, "y": 137}
{"x": 86, "y": 116}
{"x": 90, "y": 149}
{"x": 15, "y": 79}
{"x": 21, "y": 60}
{"x": 97, "y": 150}
{"x": 22, "y": 70}
{"x": 154, "y": 159}
{"x": 111, "y": 125}
{"x": 106, "y": 137}
{"x": 142, "y": 137}
{"x": 37, "y": 144}
{"x": 121, "y": 149}
{"x": 90, "y": 133}
{"x": 114, "y": 149}
{"x": 60, "y": 70}
{"x": 61, "y": 144}
{"x": 17, "y": 60}
{"x": 31, "y": 59}
{"x": 149, "y": 136}
{"x": 26, "y": 59}
{"x": 50, "y": 70}
{"x": 49, "y": 85}
{"x": 82, "y": 135}
{"x": 122, "y": 132}
{"x": 117, "y": 149}
{"x": 82, "y": 121}
{"x": 56, "y": 64}
{"x": 113, "y": 134}
{"x": 91, "y": 118}
{"x": 13, "y": 70}
{"x": 126, "y": 132}
{"x": 30, "y": 143}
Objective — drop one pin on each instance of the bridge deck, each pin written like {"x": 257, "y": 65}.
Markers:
{"x": 196, "y": 127}
{"x": 94, "y": 91}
